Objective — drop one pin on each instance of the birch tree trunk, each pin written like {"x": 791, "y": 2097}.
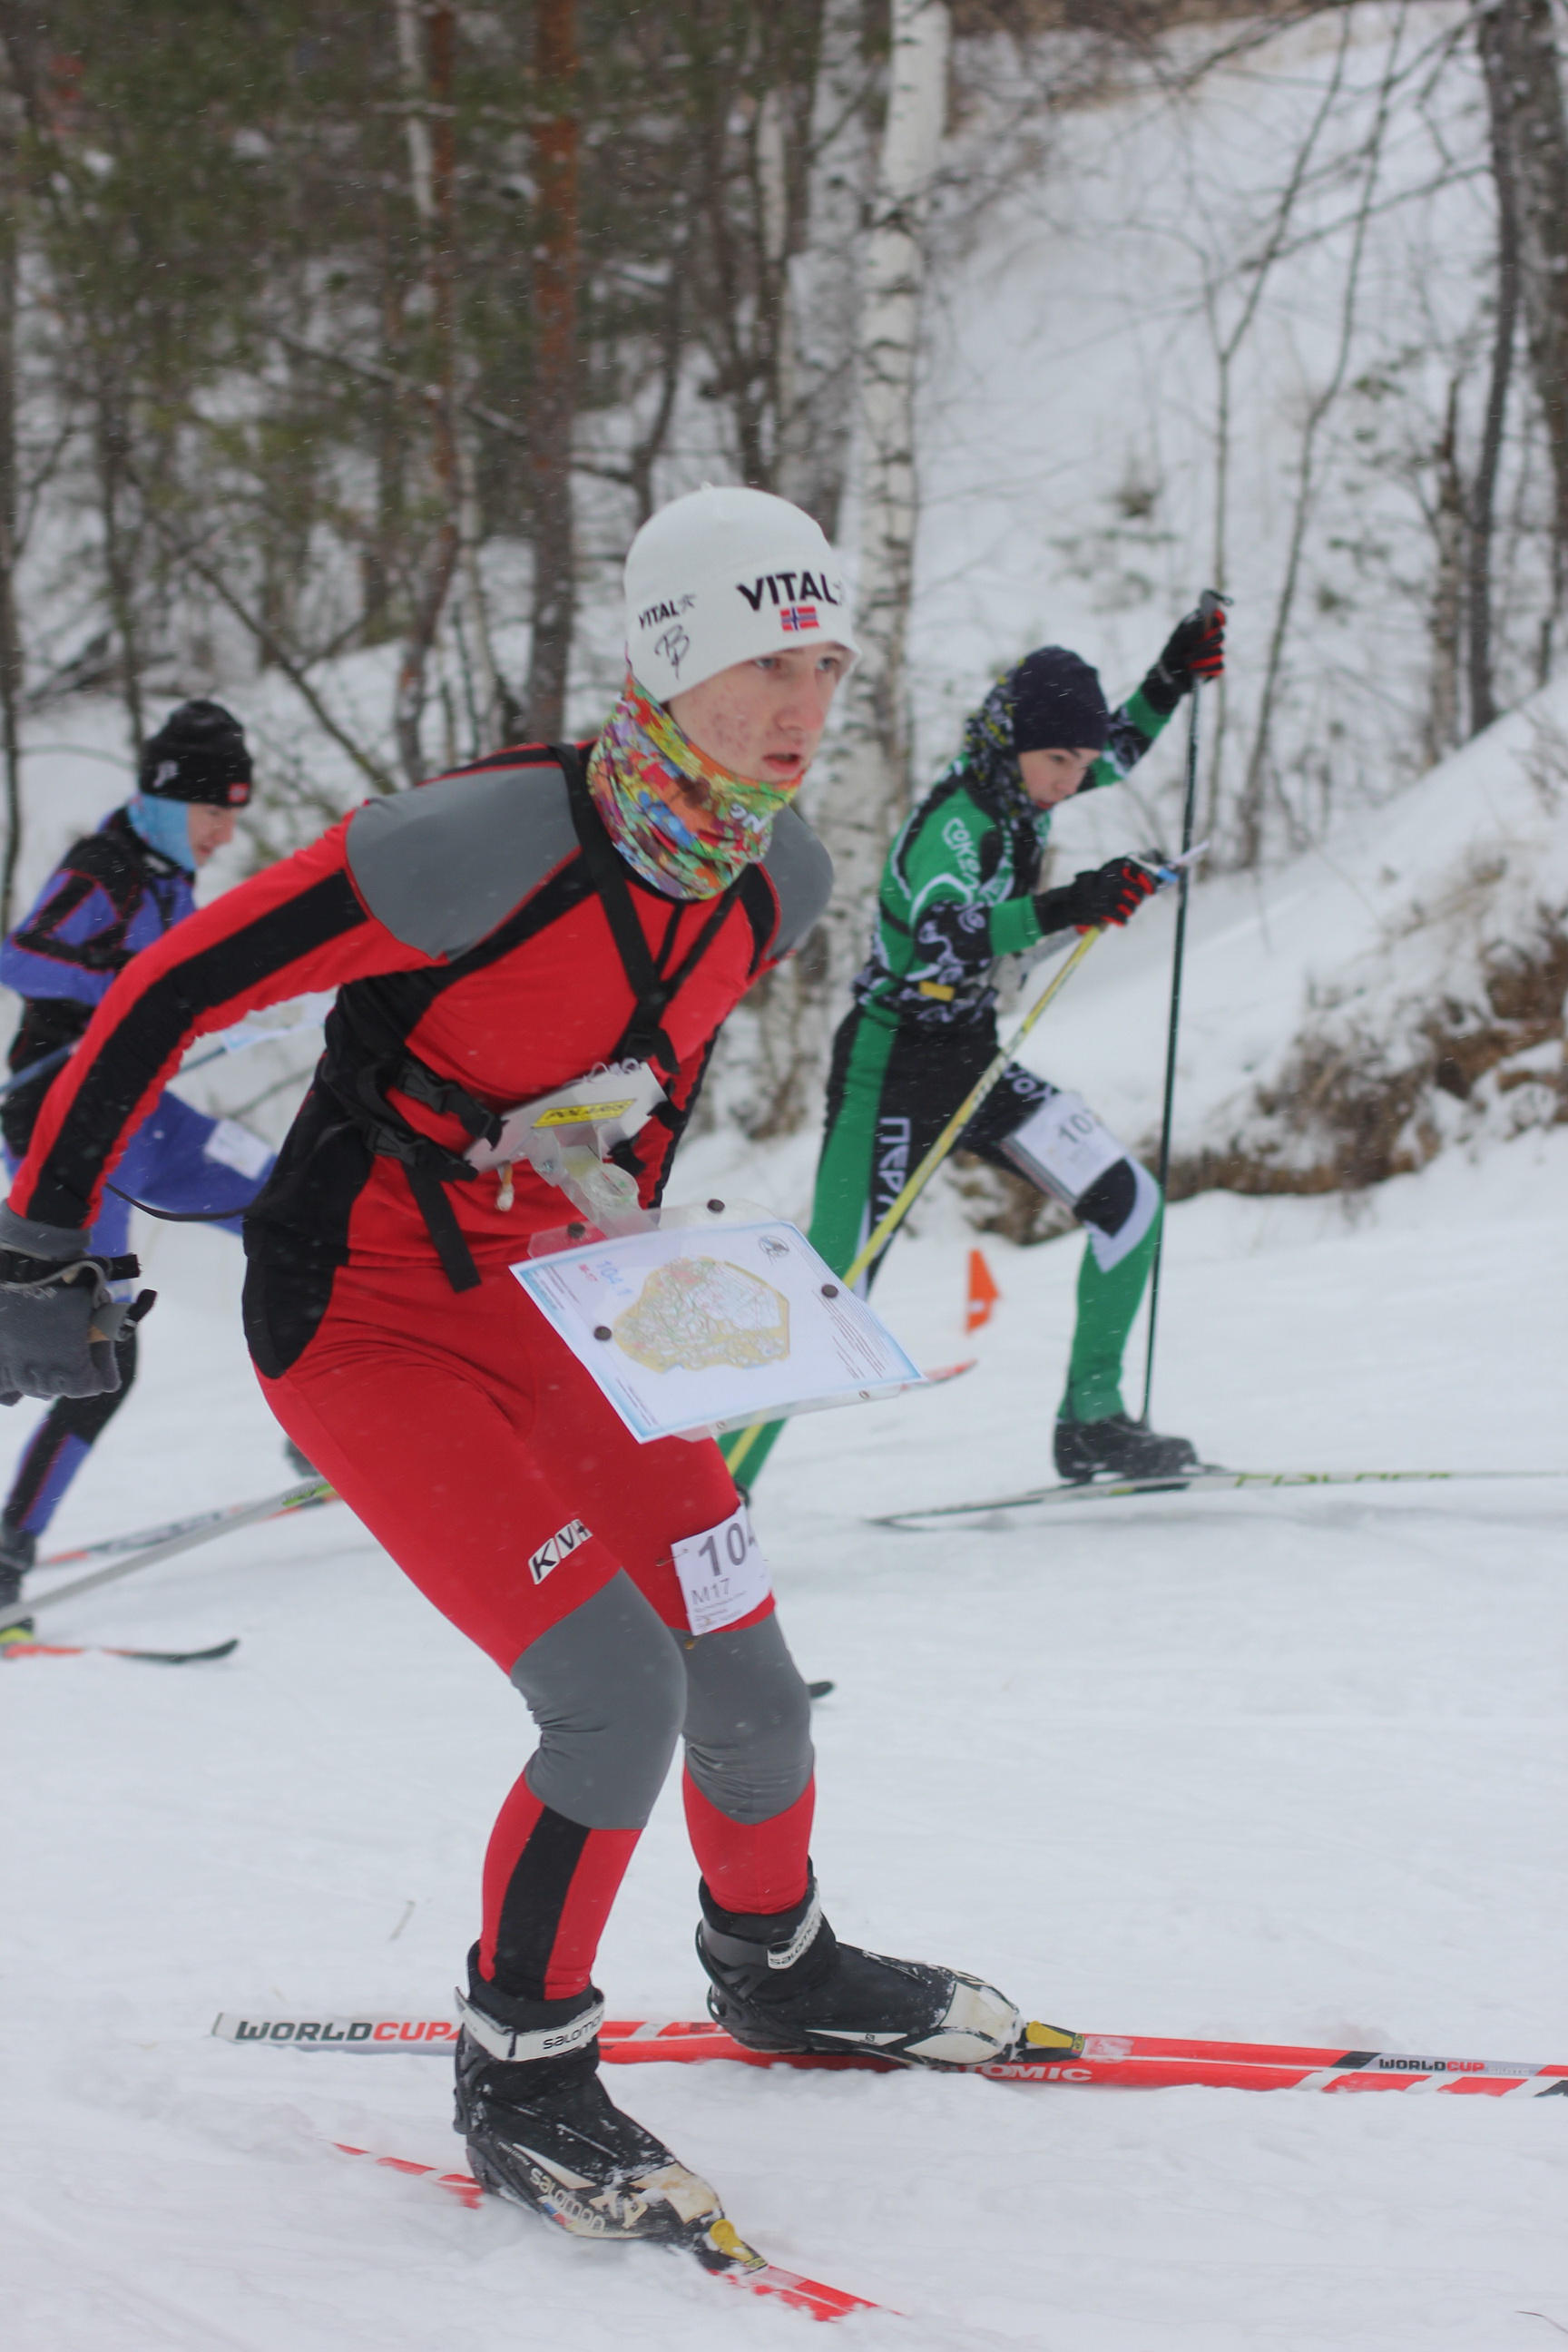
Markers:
{"x": 866, "y": 778}
{"x": 1496, "y": 68}
{"x": 776, "y": 244}
{"x": 1453, "y": 544}
{"x": 815, "y": 166}
{"x": 1524, "y": 88}
{"x": 555, "y": 144}
{"x": 869, "y": 781}
{"x": 427, "y": 64}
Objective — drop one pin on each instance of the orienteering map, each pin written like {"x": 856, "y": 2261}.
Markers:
{"x": 700, "y": 1311}
{"x": 686, "y": 1329}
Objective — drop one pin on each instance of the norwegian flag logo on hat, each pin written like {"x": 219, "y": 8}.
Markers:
{"x": 724, "y": 576}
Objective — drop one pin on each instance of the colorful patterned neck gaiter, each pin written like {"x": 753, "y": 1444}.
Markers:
{"x": 641, "y": 761}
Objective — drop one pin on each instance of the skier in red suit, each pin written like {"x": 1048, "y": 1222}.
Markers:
{"x": 493, "y": 936}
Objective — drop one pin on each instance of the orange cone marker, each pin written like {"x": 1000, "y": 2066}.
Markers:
{"x": 982, "y": 1292}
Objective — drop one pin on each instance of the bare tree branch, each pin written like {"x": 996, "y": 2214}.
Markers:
{"x": 275, "y": 651}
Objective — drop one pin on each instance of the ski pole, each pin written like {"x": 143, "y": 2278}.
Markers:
{"x": 36, "y": 1070}
{"x": 1208, "y": 603}
{"x": 899, "y": 1209}
{"x": 49, "y": 1062}
{"x": 1169, "y": 870}
{"x": 301, "y": 1497}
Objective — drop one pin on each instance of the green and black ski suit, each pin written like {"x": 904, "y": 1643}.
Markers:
{"x": 958, "y": 894}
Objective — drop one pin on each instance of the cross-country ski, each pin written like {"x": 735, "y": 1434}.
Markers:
{"x": 1205, "y": 1479}
{"x": 1045, "y": 2055}
{"x": 727, "y": 2258}
{"x": 11, "y": 1647}
{"x": 710, "y": 716}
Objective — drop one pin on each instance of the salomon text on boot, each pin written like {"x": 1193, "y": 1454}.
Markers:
{"x": 784, "y": 1982}
{"x": 541, "y": 2131}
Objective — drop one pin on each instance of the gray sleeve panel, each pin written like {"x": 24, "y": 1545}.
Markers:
{"x": 443, "y": 866}
{"x": 748, "y": 1721}
{"x": 605, "y": 1689}
{"x": 801, "y": 871}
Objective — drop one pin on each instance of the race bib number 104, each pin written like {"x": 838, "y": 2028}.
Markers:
{"x": 723, "y": 1573}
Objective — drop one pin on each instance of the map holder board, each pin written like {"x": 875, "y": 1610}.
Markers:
{"x": 703, "y": 1326}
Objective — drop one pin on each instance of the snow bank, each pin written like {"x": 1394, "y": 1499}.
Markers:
{"x": 1417, "y": 959}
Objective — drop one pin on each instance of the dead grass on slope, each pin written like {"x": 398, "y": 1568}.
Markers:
{"x": 1352, "y": 1107}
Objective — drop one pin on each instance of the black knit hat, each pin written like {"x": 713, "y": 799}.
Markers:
{"x": 198, "y": 754}
{"x": 1059, "y": 704}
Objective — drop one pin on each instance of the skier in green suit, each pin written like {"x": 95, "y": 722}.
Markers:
{"x": 959, "y": 891}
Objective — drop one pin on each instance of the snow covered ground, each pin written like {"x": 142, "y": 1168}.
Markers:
{"x": 1280, "y": 1767}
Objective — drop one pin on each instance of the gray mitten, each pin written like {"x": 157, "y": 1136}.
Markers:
{"x": 58, "y": 1320}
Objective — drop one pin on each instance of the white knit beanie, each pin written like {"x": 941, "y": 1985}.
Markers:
{"x": 722, "y": 575}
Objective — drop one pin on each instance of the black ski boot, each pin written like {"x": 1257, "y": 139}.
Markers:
{"x": 18, "y": 1549}
{"x": 300, "y": 1464}
{"x": 541, "y": 2131}
{"x": 1118, "y": 1447}
{"x": 785, "y": 1982}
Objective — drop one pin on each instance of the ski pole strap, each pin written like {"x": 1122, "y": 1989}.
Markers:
{"x": 644, "y": 1036}
{"x": 883, "y": 1232}
{"x": 20, "y": 1272}
{"x": 173, "y": 1216}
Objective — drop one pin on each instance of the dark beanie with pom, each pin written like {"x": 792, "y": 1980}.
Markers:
{"x": 1058, "y": 703}
{"x": 198, "y": 754}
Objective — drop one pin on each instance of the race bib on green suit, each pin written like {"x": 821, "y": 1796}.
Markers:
{"x": 1063, "y": 1147}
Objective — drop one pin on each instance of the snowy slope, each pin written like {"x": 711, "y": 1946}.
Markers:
{"x": 1275, "y": 1767}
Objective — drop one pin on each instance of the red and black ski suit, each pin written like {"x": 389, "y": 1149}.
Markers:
{"x": 477, "y": 932}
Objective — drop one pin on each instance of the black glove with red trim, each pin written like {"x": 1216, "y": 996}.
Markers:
{"x": 1110, "y": 893}
{"x": 1195, "y": 650}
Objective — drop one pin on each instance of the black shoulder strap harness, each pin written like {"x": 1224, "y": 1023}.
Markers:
{"x": 369, "y": 1057}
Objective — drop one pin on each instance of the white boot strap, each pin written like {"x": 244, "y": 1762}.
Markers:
{"x": 546, "y": 2041}
{"x": 785, "y": 1956}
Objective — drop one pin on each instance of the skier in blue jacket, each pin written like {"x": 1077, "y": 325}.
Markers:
{"x": 111, "y": 894}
